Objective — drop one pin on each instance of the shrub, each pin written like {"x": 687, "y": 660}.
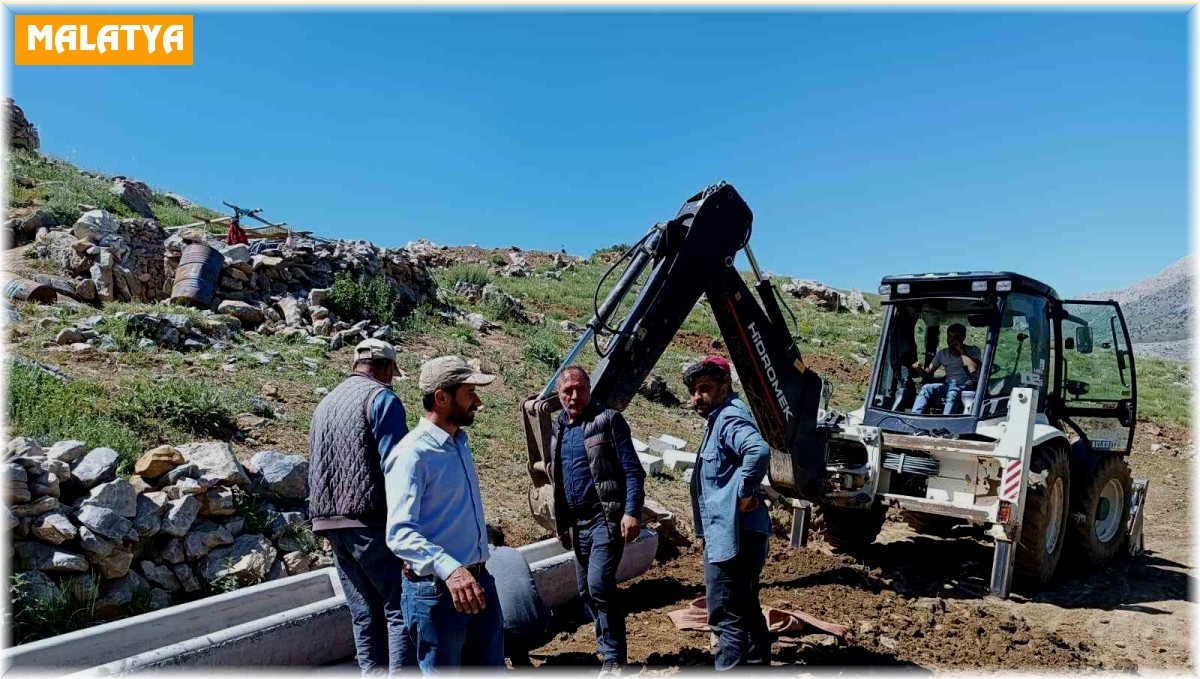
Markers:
{"x": 472, "y": 274}
{"x": 72, "y": 607}
{"x": 186, "y": 405}
{"x": 42, "y": 406}
{"x": 499, "y": 259}
{"x": 372, "y": 298}
{"x": 543, "y": 348}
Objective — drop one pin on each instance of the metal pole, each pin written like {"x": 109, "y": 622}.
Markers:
{"x": 1002, "y": 567}
{"x": 753, "y": 263}
{"x": 550, "y": 386}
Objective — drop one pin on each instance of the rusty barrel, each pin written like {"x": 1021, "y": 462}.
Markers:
{"x": 196, "y": 276}
{"x": 29, "y": 291}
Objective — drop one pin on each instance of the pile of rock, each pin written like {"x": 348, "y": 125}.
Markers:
{"x": 173, "y": 529}
{"x": 112, "y": 260}
{"x": 826, "y": 298}
{"x": 168, "y": 331}
{"x": 21, "y": 133}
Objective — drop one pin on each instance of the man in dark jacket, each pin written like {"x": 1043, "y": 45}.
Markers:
{"x": 353, "y": 430}
{"x": 598, "y": 498}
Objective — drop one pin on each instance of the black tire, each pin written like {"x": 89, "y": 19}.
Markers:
{"x": 1092, "y": 535}
{"x": 930, "y": 524}
{"x": 1042, "y": 533}
{"x": 847, "y": 529}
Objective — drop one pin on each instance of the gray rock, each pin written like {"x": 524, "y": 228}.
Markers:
{"x": 161, "y": 576}
{"x": 22, "y": 447}
{"x": 297, "y": 563}
{"x": 148, "y": 519}
{"x": 94, "y": 544}
{"x": 159, "y": 599}
{"x": 185, "y": 576}
{"x": 249, "y": 314}
{"x": 281, "y": 521}
{"x": 69, "y": 336}
{"x": 57, "y": 467}
{"x": 117, "y": 495}
{"x": 217, "y": 501}
{"x": 284, "y": 476}
{"x": 179, "y": 321}
{"x": 35, "y": 586}
{"x": 96, "y": 467}
{"x": 216, "y": 458}
{"x": 54, "y": 528}
{"x": 236, "y": 525}
{"x": 114, "y": 565}
{"x": 185, "y": 487}
{"x": 180, "y": 515}
{"x": 183, "y": 471}
{"x": 104, "y": 521}
{"x": 278, "y": 570}
{"x": 247, "y": 560}
{"x": 37, "y": 508}
{"x": 172, "y": 551}
{"x": 146, "y": 343}
{"x": 94, "y": 225}
{"x": 203, "y": 538}
{"x": 134, "y": 194}
{"x": 34, "y": 556}
{"x": 316, "y": 296}
{"x": 116, "y": 594}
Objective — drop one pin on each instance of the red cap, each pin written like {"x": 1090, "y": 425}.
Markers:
{"x": 718, "y": 361}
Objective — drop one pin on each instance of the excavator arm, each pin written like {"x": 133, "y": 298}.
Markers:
{"x": 689, "y": 256}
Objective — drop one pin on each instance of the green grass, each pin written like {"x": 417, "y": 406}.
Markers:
{"x": 73, "y": 607}
{"x": 1164, "y": 391}
{"x": 61, "y": 188}
{"x": 472, "y": 274}
{"x": 371, "y": 298}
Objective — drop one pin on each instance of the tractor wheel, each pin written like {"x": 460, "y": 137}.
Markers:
{"x": 847, "y": 529}
{"x": 1100, "y": 512}
{"x": 930, "y": 524}
{"x": 1044, "y": 526}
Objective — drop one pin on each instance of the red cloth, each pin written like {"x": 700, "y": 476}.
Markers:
{"x": 236, "y": 236}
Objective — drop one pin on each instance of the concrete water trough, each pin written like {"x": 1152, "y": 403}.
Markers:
{"x": 298, "y": 620}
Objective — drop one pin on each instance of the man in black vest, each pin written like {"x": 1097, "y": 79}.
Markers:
{"x": 353, "y": 430}
{"x": 598, "y": 498}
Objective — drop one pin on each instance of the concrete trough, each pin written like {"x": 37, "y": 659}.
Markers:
{"x": 653, "y": 464}
{"x": 298, "y": 620}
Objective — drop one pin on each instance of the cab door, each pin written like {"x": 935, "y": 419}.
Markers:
{"x": 1097, "y": 383}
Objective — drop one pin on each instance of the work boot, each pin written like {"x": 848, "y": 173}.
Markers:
{"x": 610, "y": 668}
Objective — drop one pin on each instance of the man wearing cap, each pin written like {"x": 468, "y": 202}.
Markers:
{"x": 354, "y": 429}
{"x": 598, "y": 496}
{"x": 435, "y": 524}
{"x": 729, "y": 514}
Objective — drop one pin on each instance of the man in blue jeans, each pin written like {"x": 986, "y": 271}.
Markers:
{"x": 598, "y": 496}
{"x": 729, "y": 514}
{"x": 961, "y": 362}
{"x": 353, "y": 430}
{"x": 435, "y": 524}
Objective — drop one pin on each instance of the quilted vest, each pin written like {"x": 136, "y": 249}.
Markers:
{"x": 345, "y": 476}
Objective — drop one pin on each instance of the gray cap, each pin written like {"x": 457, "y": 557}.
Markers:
{"x": 444, "y": 372}
{"x": 374, "y": 349}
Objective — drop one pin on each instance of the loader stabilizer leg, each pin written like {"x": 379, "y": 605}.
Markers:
{"x": 1135, "y": 538}
{"x": 1003, "y": 560}
{"x": 801, "y": 515}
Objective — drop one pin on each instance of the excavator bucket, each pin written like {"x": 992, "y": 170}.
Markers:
{"x": 538, "y": 415}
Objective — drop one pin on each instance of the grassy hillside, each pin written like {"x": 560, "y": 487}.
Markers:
{"x": 134, "y": 399}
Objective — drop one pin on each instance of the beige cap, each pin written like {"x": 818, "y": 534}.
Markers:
{"x": 374, "y": 348}
{"x": 444, "y": 372}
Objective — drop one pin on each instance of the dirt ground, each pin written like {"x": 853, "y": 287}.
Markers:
{"x": 920, "y": 602}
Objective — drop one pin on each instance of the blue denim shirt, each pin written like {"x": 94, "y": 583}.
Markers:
{"x": 435, "y": 512}
{"x": 578, "y": 485}
{"x": 731, "y": 464}
{"x": 388, "y": 421}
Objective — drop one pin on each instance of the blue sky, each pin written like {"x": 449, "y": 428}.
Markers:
{"x": 867, "y": 143}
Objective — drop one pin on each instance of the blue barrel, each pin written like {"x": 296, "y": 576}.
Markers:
{"x": 197, "y": 274}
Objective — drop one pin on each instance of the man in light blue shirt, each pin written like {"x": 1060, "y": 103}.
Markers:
{"x": 435, "y": 524}
{"x": 729, "y": 514}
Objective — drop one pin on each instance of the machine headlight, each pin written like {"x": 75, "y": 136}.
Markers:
{"x": 903, "y": 288}
{"x": 1003, "y": 286}
{"x": 978, "y": 286}
{"x": 885, "y": 289}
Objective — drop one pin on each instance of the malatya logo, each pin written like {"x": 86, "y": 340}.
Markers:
{"x": 103, "y": 40}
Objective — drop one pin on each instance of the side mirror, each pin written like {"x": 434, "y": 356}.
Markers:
{"x": 1083, "y": 339}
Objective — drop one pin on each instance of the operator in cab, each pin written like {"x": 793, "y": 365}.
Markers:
{"x": 961, "y": 362}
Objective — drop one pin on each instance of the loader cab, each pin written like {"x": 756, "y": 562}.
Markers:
{"x": 1075, "y": 354}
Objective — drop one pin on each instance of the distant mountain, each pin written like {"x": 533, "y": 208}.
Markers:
{"x": 1158, "y": 310}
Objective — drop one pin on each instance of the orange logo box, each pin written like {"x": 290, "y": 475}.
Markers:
{"x": 103, "y": 39}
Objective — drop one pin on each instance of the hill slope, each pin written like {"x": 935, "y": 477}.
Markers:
{"x": 1159, "y": 311}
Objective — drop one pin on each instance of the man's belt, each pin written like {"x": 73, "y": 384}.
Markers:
{"x": 475, "y": 569}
